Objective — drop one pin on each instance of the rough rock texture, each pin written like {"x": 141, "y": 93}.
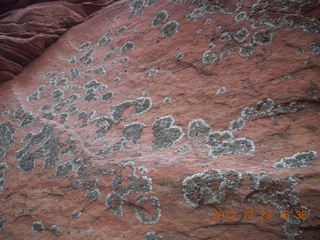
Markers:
{"x": 201, "y": 124}
{"x": 27, "y": 30}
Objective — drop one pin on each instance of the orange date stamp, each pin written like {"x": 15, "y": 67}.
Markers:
{"x": 257, "y": 214}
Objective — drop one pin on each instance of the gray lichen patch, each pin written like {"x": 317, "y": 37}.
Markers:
{"x": 278, "y": 193}
{"x": 208, "y": 21}
{"x": 74, "y": 97}
{"x": 24, "y": 117}
{"x": 76, "y": 214}
{"x": 263, "y": 37}
{"x": 166, "y": 135}
{"x": 179, "y": 56}
{"x": 137, "y": 6}
{"x": 64, "y": 170}
{"x": 44, "y": 108}
{"x": 93, "y": 195}
{"x": 35, "y": 96}
{"x": 102, "y": 88}
{"x": 184, "y": 149}
{"x": 57, "y": 94}
{"x": 110, "y": 54}
{"x": 122, "y": 29}
{"x": 2, "y": 223}
{"x": 72, "y": 109}
{"x": 49, "y": 116}
{"x": 167, "y": 100}
{"x": 104, "y": 41}
{"x": 90, "y": 95}
{"x": 142, "y": 105}
{"x": 84, "y": 117}
{"x": 246, "y": 50}
{"x": 6, "y": 133}
{"x": 170, "y": 29}
{"x": 133, "y": 131}
{"x": 84, "y": 45}
{"x": 118, "y": 110}
{"x": 298, "y": 160}
{"x": 225, "y": 37}
{"x": 236, "y": 125}
{"x": 159, "y": 18}
{"x": 243, "y": 146}
{"x": 27, "y": 162}
{"x": 51, "y": 146}
{"x": 198, "y": 128}
{"x": 2, "y": 152}
{"x": 62, "y": 81}
{"x": 75, "y": 73}
{"x": 196, "y": 14}
{"x": 198, "y": 188}
{"x": 114, "y": 202}
{"x": 107, "y": 96}
{"x": 152, "y": 236}
{"x": 55, "y": 230}
{"x": 86, "y": 58}
{"x": 5, "y": 113}
{"x": 124, "y": 60}
{"x": 271, "y": 108}
{"x": 104, "y": 123}
{"x": 18, "y": 114}
{"x": 152, "y": 72}
{"x": 151, "y": 2}
{"x": 315, "y": 48}
{"x": 37, "y": 227}
{"x": 241, "y": 35}
{"x": 60, "y": 105}
{"x": 222, "y": 143}
{"x": 249, "y": 112}
{"x": 92, "y": 84}
{"x": 128, "y": 46}
{"x": 144, "y": 216}
{"x": 142, "y": 185}
{"x": 240, "y": 16}
{"x": 216, "y": 138}
{"x": 73, "y": 60}
{"x": 221, "y": 90}
{"x": 291, "y": 231}
{"x": 64, "y": 117}
{"x": 100, "y": 70}
{"x": 209, "y": 57}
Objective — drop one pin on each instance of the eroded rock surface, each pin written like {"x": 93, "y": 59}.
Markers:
{"x": 167, "y": 120}
{"x": 31, "y": 26}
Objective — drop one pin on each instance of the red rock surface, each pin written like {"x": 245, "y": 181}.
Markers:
{"x": 146, "y": 151}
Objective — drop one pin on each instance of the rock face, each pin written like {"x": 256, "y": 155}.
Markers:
{"x": 26, "y": 32}
{"x": 167, "y": 120}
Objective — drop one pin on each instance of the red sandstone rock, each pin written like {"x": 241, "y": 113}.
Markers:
{"x": 24, "y": 33}
{"x": 128, "y": 131}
